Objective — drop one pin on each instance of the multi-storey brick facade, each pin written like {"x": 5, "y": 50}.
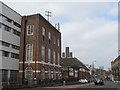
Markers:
{"x": 40, "y": 49}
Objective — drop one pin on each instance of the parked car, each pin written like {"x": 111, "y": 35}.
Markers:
{"x": 83, "y": 81}
{"x": 99, "y": 81}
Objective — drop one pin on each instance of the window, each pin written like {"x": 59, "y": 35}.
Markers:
{"x": 14, "y": 55}
{"x": 76, "y": 74}
{"x": 54, "y": 57}
{"x": 4, "y": 76}
{"x": 30, "y": 29}
{"x": 0, "y": 75}
{"x": 58, "y": 58}
{"x": 43, "y": 53}
{"x": 49, "y": 36}
{"x": 15, "y": 47}
{"x": 5, "y": 53}
{"x": 49, "y": 73}
{"x": 29, "y": 52}
{"x": 6, "y": 19}
{"x": 6, "y": 28}
{"x": 0, "y": 25}
{"x": 58, "y": 42}
{"x": 16, "y": 24}
{"x": 70, "y": 72}
{"x": 49, "y": 55}
{"x": 16, "y": 32}
{"x": 58, "y": 74}
{"x": 42, "y": 73}
{"x": 43, "y": 34}
{"x": 5, "y": 44}
{"x": 28, "y": 72}
{"x": 13, "y": 76}
{"x": 54, "y": 41}
{"x": 54, "y": 74}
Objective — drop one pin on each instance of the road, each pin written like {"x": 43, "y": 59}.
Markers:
{"x": 107, "y": 84}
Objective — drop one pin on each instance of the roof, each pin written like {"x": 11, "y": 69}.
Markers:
{"x": 72, "y": 62}
{"x": 43, "y": 19}
{"x": 10, "y": 8}
{"x": 118, "y": 58}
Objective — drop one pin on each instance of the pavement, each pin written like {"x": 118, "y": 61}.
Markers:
{"x": 66, "y": 87}
{"x": 89, "y": 86}
{"x": 73, "y": 86}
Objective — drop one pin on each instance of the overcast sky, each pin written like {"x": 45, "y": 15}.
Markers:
{"x": 90, "y": 29}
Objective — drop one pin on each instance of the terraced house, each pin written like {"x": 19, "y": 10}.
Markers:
{"x": 40, "y": 49}
{"x": 10, "y": 28}
{"x": 115, "y": 65}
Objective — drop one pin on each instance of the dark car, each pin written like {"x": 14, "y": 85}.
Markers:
{"x": 99, "y": 81}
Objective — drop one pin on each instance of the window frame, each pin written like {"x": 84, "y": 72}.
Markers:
{"x": 30, "y": 30}
{"x": 43, "y": 53}
{"x": 30, "y": 74}
{"x": 29, "y": 55}
{"x": 49, "y": 55}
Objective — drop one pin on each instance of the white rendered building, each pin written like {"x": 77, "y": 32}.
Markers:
{"x": 10, "y": 28}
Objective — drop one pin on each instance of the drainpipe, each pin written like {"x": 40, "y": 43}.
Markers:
{"x": 24, "y": 47}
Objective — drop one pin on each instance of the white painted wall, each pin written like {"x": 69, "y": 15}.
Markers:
{"x": 10, "y": 13}
{"x": 8, "y": 62}
{"x": 11, "y": 38}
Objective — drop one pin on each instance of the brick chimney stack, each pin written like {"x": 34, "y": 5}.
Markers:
{"x": 63, "y": 55}
{"x": 67, "y": 52}
{"x": 70, "y": 55}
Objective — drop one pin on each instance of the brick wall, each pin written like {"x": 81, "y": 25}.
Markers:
{"x": 36, "y": 39}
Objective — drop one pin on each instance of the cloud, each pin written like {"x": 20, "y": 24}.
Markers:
{"x": 92, "y": 39}
{"x": 60, "y": 0}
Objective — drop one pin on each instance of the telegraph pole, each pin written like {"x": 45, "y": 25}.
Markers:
{"x": 48, "y": 14}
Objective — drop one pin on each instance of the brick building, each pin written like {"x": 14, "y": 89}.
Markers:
{"x": 115, "y": 67}
{"x": 99, "y": 73}
{"x": 73, "y": 68}
{"x": 40, "y": 49}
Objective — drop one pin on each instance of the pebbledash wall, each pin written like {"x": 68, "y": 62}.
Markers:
{"x": 42, "y": 49}
{"x": 10, "y": 28}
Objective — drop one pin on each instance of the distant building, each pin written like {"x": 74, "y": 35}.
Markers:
{"x": 101, "y": 67}
{"x": 10, "y": 28}
{"x": 87, "y": 65}
{"x": 73, "y": 67}
{"x": 92, "y": 66}
{"x": 99, "y": 73}
{"x": 40, "y": 50}
{"x": 115, "y": 67}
